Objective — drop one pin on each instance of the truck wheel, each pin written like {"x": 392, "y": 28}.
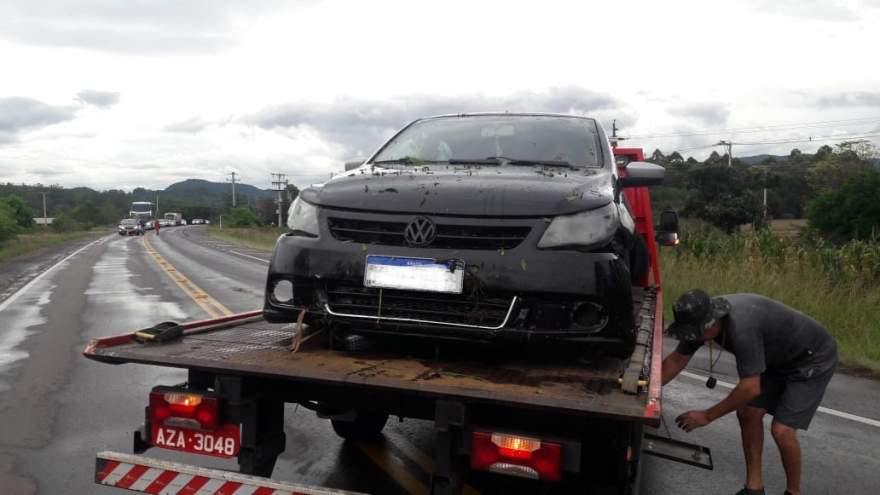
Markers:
{"x": 364, "y": 426}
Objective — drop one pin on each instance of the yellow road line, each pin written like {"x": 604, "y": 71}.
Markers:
{"x": 206, "y": 302}
{"x": 395, "y": 468}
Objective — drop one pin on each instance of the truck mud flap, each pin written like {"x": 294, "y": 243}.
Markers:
{"x": 678, "y": 451}
{"x": 145, "y": 475}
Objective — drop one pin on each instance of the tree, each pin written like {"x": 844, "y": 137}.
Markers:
{"x": 832, "y": 169}
{"x": 22, "y": 213}
{"x": 8, "y": 226}
{"x": 723, "y": 196}
{"x": 852, "y": 212}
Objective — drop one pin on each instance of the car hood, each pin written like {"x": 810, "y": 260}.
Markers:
{"x": 498, "y": 191}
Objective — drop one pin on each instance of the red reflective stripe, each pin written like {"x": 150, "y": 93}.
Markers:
{"x": 264, "y": 491}
{"x": 131, "y": 476}
{"x": 108, "y": 468}
{"x": 160, "y": 482}
{"x": 228, "y": 488}
{"x": 194, "y": 485}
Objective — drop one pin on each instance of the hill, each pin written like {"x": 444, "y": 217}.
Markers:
{"x": 203, "y": 188}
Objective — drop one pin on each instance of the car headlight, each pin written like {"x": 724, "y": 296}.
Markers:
{"x": 587, "y": 229}
{"x": 303, "y": 218}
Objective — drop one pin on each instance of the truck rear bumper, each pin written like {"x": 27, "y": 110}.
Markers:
{"x": 146, "y": 475}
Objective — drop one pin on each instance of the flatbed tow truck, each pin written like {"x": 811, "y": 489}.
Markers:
{"x": 552, "y": 421}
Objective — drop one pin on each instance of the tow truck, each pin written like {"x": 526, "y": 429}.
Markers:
{"x": 580, "y": 422}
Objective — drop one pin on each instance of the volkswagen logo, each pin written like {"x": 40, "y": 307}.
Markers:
{"x": 420, "y": 232}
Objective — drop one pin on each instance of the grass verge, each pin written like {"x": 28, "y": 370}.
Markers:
{"x": 261, "y": 238}
{"x": 848, "y": 311}
{"x": 30, "y": 242}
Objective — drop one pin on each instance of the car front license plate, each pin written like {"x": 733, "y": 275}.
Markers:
{"x": 222, "y": 442}
{"x": 425, "y": 274}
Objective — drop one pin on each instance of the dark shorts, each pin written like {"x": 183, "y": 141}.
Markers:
{"x": 793, "y": 399}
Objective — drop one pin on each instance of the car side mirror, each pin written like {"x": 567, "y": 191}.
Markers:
{"x": 642, "y": 174}
{"x": 669, "y": 221}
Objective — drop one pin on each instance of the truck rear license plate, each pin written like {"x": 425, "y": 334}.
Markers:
{"x": 222, "y": 442}
{"x": 425, "y": 274}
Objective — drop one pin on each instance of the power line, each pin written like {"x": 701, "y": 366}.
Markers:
{"x": 754, "y": 129}
{"x": 785, "y": 141}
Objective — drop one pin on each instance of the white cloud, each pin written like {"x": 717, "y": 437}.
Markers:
{"x": 273, "y": 86}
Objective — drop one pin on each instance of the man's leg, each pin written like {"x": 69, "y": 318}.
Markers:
{"x": 751, "y": 423}
{"x": 790, "y": 451}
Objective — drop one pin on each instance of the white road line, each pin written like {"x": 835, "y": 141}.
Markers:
{"x": 825, "y": 410}
{"x": 248, "y": 256}
{"x": 9, "y": 300}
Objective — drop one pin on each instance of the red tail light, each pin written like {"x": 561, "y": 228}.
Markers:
{"x": 516, "y": 455}
{"x": 184, "y": 409}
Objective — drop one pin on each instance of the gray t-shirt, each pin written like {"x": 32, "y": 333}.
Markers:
{"x": 768, "y": 336}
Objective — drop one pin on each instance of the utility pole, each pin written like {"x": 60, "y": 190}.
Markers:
{"x": 45, "y": 217}
{"x": 279, "y": 184}
{"x": 232, "y": 174}
{"x": 729, "y": 151}
{"x": 614, "y": 137}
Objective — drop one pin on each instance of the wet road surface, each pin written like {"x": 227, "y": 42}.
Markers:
{"x": 58, "y": 409}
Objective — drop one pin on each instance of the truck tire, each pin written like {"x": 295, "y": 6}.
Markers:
{"x": 365, "y": 426}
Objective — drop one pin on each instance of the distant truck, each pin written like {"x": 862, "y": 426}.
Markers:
{"x": 174, "y": 218}
{"x": 142, "y": 210}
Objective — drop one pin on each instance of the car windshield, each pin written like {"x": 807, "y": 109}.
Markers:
{"x": 522, "y": 139}
{"x": 141, "y": 207}
{"x": 129, "y": 221}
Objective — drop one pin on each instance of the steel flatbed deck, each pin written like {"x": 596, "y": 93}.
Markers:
{"x": 245, "y": 345}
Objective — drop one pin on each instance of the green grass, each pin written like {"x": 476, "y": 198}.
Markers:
{"x": 261, "y": 238}
{"x": 838, "y": 286}
{"x": 35, "y": 240}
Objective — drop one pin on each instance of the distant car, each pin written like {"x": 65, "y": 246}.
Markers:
{"x": 197, "y": 221}
{"x": 129, "y": 226}
{"x": 182, "y": 221}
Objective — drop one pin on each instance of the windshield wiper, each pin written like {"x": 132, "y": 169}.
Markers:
{"x": 407, "y": 160}
{"x": 474, "y": 161}
{"x": 518, "y": 161}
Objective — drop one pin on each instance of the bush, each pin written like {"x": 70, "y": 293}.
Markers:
{"x": 242, "y": 217}
{"x": 8, "y": 227}
{"x": 851, "y": 212}
{"x": 66, "y": 223}
{"x": 22, "y": 213}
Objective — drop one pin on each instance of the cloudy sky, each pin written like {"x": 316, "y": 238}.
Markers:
{"x": 127, "y": 93}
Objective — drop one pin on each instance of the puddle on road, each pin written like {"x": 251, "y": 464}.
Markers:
{"x": 15, "y": 322}
{"x": 123, "y": 306}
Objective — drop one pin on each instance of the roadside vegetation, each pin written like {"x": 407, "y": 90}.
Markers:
{"x": 19, "y": 235}
{"x": 260, "y": 238}
{"x": 837, "y": 284}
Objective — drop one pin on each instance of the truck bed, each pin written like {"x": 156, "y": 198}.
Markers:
{"x": 248, "y": 346}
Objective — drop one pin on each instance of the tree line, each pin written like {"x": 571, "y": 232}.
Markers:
{"x": 836, "y": 188}
{"x": 82, "y": 208}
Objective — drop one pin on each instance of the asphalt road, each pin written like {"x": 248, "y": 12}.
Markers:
{"x": 57, "y": 409}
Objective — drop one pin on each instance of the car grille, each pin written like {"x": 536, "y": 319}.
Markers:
{"x": 452, "y": 309}
{"x": 449, "y": 236}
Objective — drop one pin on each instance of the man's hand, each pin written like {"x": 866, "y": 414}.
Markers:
{"x": 692, "y": 420}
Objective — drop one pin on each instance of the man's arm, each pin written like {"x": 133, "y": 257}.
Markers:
{"x": 747, "y": 389}
{"x": 673, "y": 364}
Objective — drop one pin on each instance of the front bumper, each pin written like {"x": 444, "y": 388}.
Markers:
{"x": 520, "y": 294}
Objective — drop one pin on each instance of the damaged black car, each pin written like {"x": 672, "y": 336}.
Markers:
{"x": 497, "y": 228}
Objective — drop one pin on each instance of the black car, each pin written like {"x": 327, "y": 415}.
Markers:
{"x": 482, "y": 227}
